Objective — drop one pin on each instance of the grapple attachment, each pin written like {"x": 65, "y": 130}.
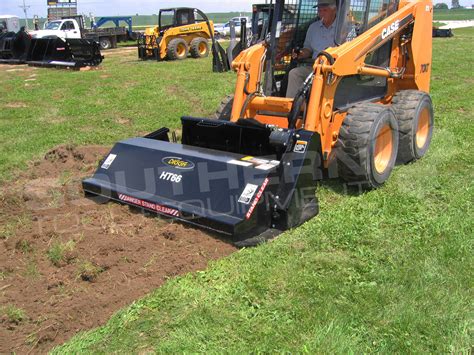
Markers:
{"x": 14, "y": 47}
{"x": 71, "y": 53}
{"x": 248, "y": 182}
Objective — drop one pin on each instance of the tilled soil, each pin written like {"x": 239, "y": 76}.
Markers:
{"x": 67, "y": 264}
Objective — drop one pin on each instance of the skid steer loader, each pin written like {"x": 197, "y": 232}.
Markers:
{"x": 181, "y": 31}
{"x": 252, "y": 173}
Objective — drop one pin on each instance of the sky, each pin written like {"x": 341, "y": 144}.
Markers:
{"x": 127, "y": 7}
{"x": 142, "y": 7}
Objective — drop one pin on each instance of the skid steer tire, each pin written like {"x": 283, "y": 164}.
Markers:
{"x": 414, "y": 112}
{"x": 224, "y": 110}
{"x": 367, "y": 145}
{"x": 199, "y": 48}
{"x": 177, "y": 49}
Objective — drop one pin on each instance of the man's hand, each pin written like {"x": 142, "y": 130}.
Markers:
{"x": 304, "y": 53}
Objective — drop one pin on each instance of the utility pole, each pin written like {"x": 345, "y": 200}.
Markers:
{"x": 25, "y": 7}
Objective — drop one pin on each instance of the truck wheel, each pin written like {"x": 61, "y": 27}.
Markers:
{"x": 105, "y": 43}
{"x": 414, "y": 112}
{"x": 199, "y": 48}
{"x": 224, "y": 110}
{"x": 177, "y": 49}
{"x": 367, "y": 145}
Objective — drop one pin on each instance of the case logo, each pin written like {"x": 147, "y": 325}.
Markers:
{"x": 387, "y": 31}
{"x": 178, "y": 163}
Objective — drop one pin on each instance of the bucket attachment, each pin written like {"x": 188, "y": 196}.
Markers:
{"x": 244, "y": 180}
{"x": 70, "y": 53}
{"x": 14, "y": 47}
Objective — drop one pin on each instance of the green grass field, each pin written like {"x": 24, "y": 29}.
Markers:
{"x": 142, "y": 21}
{"x": 386, "y": 271}
{"x": 453, "y": 14}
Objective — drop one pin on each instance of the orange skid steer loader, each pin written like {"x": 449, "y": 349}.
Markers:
{"x": 252, "y": 173}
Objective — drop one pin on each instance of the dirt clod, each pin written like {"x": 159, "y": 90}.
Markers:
{"x": 68, "y": 263}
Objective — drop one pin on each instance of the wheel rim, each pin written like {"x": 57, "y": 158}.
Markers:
{"x": 202, "y": 48}
{"x": 423, "y": 129}
{"x": 383, "y": 149}
{"x": 181, "y": 50}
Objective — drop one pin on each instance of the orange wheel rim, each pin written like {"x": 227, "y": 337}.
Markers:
{"x": 202, "y": 48}
{"x": 181, "y": 50}
{"x": 423, "y": 129}
{"x": 383, "y": 149}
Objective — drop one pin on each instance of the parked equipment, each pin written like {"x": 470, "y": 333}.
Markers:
{"x": 73, "y": 27}
{"x": 252, "y": 173}
{"x": 20, "y": 48}
{"x": 108, "y": 37}
{"x": 438, "y": 32}
{"x": 181, "y": 31}
{"x": 69, "y": 53}
{"x": 14, "y": 47}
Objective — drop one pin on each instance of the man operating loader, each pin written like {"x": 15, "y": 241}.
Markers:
{"x": 320, "y": 35}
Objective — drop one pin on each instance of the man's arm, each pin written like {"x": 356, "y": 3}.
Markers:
{"x": 306, "y": 52}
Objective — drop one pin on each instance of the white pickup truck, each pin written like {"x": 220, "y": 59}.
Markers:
{"x": 68, "y": 28}
{"x": 73, "y": 28}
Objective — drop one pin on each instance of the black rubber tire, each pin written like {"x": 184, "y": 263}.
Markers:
{"x": 408, "y": 106}
{"x": 356, "y": 144}
{"x": 195, "y": 50}
{"x": 105, "y": 43}
{"x": 224, "y": 110}
{"x": 172, "y": 51}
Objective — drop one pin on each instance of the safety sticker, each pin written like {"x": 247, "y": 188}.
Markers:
{"x": 238, "y": 162}
{"x": 261, "y": 164}
{"x": 300, "y": 146}
{"x": 149, "y": 205}
{"x": 248, "y": 193}
{"x": 265, "y": 166}
{"x": 257, "y": 198}
{"x": 108, "y": 162}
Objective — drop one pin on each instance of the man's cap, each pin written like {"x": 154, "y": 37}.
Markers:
{"x": 325, "y": 3}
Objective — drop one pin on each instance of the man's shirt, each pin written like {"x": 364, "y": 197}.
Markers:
{"x": 320, "y": 37}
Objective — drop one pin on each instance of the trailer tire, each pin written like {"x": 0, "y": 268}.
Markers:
{"x": 224, "y": 110}
{"x": 367, "y": 145}
{"x": 414, "y": 112}
{"x": 105, "y": 43}
{"x": 177, "y": 49}
{"x": 199, "y": 48}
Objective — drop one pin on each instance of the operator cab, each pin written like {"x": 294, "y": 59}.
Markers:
{"x": 290, "y": 22}
{"x": 181, "y": 16}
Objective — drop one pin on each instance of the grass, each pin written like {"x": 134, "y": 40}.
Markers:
{"x": 13, "y": 314}
{"x": 453, "y": 14}
{"x": 59, "y": 252}
{"x": 125, "y": 97}
{"x": 88, "y": 271}
{"x": 386, "y": 271}
{"x": 140, "y": 22}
